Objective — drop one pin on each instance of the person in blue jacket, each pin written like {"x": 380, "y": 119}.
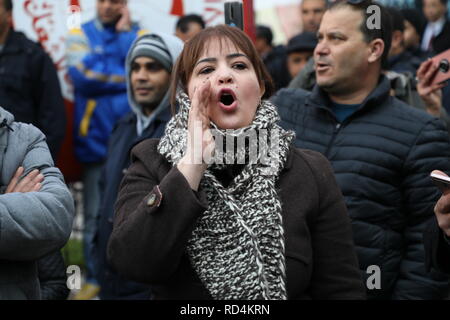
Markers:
{"x": 148, "y": 69}
{"x": 96, "y": 64}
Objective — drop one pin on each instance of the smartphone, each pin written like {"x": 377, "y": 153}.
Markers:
{"x": 234, "y": 15}
{"x": 443, "y": 73}
{"x": 441, "y": 181}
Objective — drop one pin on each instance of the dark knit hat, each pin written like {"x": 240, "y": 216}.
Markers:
{"x": 305, "y": 41}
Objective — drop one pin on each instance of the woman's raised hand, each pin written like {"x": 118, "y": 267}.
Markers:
{"x": 200, "y": 141}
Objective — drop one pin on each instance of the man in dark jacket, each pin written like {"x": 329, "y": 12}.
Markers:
{"x": 381, "y": 149}
{"x": 149, "y": 65}
{"x": 414, "y": 27}
{"x": 400, "y": 60}
{"x": 29, "y": 85}
{"x": 436, "y": 37}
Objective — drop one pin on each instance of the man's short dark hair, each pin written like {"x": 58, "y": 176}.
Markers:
{"x": 384, "y": 32}
{"x": 184, "y": 21}
{"x": 264, "y": 32}
{"x": 8, "y": 5}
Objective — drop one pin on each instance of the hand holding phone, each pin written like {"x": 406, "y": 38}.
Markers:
{"x": 441, "y": 180}
{"x": 442, "y": 61}
{"x": 442, "y": 207}
{"x": 124, "y": 23}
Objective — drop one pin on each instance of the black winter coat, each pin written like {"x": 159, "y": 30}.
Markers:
{"x": 123, "y": 137}
{"x": 382, "y": 156}
{"x": 30, "y": 90}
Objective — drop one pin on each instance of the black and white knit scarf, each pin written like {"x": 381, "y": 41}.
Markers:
{"x": 237, "y": 245}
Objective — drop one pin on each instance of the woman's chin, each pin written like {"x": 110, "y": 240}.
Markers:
{"x": 224, "y": 125}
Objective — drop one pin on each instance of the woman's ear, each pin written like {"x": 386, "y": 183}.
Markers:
{"x": 376, "y": 48}
{"x": 262, "y": 89}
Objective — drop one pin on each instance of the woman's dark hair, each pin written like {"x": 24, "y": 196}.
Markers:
{"x": 193, "y": 48}
{"x": 384, "y": 32}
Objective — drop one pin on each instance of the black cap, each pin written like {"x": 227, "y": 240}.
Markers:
{"x": 305, "y": 41}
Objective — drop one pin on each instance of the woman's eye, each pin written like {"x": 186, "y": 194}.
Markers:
{"x": 206, "y": 70}
{"x": 240, "y": 66}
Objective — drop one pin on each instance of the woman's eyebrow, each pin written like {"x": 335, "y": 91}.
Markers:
{"x": 236, "y": 55}
{"x": 228, "y": 57}
{"x": 206, "y": 60}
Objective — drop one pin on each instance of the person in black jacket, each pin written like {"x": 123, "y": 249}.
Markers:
{"x": 436, "y": 37}
{"x": 149, "y": 66}
{"x": 381, "y": 149}
{"x": 400, "y": 60}
{"x": 414, "y": 27}
{"x": 29, "y": 85}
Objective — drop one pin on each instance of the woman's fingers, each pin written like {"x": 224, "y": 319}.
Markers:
{"x": 13, "y": 183}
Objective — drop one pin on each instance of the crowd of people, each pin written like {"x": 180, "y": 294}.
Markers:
{"x": 356, "y": 123}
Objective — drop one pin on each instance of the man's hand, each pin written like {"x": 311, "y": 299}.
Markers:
{"x": 30, "y": 183}
{"x": 442, "y": 209}
{"x": 430, "y": 93}
{"x": 124, "y": 23}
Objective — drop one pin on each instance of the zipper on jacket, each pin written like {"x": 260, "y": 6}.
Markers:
{"x": 335, "y": 132}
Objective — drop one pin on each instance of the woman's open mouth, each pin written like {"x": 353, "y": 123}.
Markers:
{"x": 227, "y": 100}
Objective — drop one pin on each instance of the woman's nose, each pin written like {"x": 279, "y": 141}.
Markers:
{"x": 225, "y": 78}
